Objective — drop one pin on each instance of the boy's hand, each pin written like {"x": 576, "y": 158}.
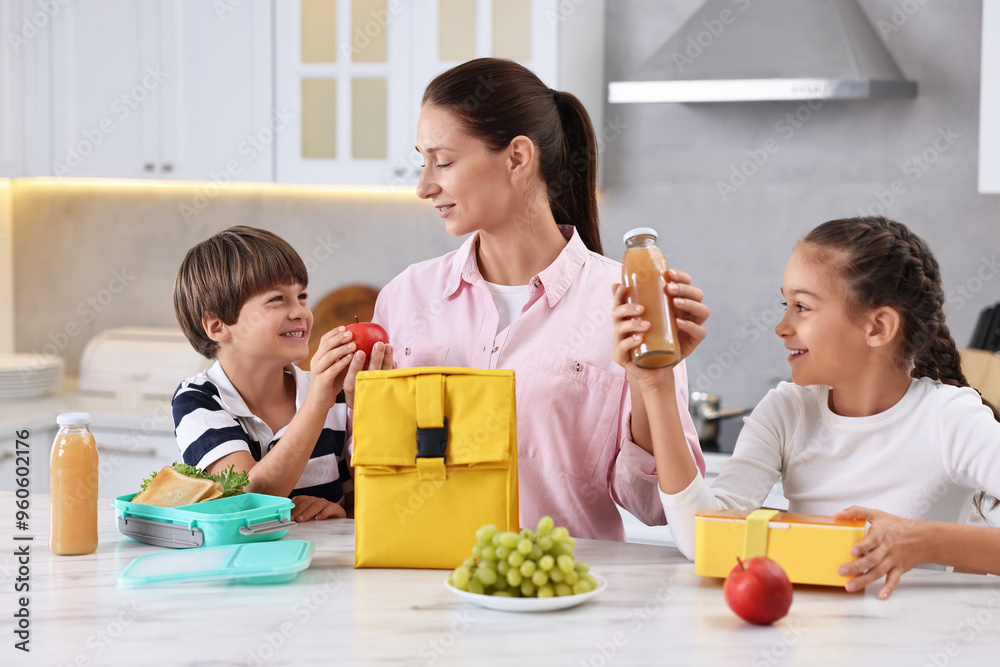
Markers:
{"x": 629, "y": 327}
{"x": 329, "y": 366}
{"x": 381, "y": 361}
{"x": 311, "y": 507}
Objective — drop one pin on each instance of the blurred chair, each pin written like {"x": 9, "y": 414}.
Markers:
{"x": 982, "y": 370}
{"x": 339, "y": 308}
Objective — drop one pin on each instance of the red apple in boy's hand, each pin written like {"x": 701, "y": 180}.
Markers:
{"x": 366, "y": 334}
{"x": 758, "y": 590}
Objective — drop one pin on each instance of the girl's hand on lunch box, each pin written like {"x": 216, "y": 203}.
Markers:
{"x": 893, "y": 546}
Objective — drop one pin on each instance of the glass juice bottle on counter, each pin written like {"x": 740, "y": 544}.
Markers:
{"x": 644, "y": 275}
{"x": 73, "y": 487}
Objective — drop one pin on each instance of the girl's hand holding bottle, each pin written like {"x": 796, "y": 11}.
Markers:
{"x": 690, "y": 313}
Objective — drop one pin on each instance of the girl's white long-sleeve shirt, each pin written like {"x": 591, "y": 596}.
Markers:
{"x": 920, "y": 459}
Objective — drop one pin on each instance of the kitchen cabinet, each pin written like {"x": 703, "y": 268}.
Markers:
{"x": 989, "y": 101}
{"x": 162, "y": 89}
{"x": 342, "y": 76}
{"x": 134, "y": 435}
{"x": 128, "y": 456}
{"x": 11, "y": 94}
{"x": 350, "y": 75}
{"x": 38, "y": 446}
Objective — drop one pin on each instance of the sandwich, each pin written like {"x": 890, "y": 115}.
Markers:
{"x": 181, "y": 484}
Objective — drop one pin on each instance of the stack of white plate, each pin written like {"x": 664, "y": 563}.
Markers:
{"x": 29, "y": 375}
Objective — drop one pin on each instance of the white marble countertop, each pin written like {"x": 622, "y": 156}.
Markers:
{"x": 654, "y": 611}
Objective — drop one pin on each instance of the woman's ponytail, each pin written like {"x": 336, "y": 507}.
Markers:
{"x": 573, "y": 183}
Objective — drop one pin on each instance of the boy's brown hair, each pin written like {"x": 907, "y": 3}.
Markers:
{"x": 220, "y": 274}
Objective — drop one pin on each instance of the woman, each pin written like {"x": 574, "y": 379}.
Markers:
{"x": 513, "y": 163}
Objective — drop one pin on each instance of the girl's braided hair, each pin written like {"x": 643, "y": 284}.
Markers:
{"x": 885, "y": 264}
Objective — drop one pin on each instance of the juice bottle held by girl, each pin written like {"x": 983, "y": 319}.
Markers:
{"x": 73, "y": 487}
{"x": 644, "y": 275}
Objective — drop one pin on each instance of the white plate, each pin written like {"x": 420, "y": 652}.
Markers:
{"x": 529, "y": 604}
{"x": 23, "y": 361}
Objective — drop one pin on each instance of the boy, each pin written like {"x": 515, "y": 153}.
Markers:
{"x": 240, "y": 299}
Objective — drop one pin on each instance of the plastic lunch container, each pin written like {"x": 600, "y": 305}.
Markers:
{"x": 248, "y": 517}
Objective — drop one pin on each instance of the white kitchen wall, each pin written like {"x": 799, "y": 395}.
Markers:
{"x": 664, "y": 163}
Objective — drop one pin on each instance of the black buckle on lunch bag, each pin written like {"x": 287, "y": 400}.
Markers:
{"x": 431, "y": 442}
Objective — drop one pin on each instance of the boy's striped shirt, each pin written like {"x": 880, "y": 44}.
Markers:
{"x": 212, "y": 420}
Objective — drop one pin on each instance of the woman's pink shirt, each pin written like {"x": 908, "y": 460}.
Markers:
{"x": 575, "y": 453}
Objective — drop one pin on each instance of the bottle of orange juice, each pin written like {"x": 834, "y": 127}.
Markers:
{"x": 73, "y": 487}
{"x": 644, "y": 272}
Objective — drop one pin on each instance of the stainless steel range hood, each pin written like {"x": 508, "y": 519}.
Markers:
{"x": 743, "y": 50}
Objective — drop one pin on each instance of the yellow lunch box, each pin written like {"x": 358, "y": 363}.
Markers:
{"x": 810, "y": 547}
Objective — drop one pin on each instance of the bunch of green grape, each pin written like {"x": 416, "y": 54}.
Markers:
{"x": 526, "y": 564}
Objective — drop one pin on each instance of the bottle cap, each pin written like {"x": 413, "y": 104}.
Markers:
{"x": 639, "y": 231}
{"x": 73, "y": 419}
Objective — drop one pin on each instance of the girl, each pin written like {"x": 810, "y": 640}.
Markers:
{"x": 513, "y": 163}
{"x": 879, "y": 412}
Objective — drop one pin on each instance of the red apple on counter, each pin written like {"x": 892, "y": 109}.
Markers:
{"x": 366, "y": 334}
{"x": 758, "y": 590}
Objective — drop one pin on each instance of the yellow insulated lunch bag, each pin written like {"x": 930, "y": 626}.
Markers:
{"x": 435, "y": 458}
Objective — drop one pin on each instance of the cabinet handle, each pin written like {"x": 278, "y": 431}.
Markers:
{"x": 167, "y": 168}
{"x": 140, "y": 451}
{"x": 149, "y": 166}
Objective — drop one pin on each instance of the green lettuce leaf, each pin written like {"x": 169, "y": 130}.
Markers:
{"x": 232, "y": 482}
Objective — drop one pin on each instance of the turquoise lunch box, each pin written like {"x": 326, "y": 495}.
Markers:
{"x": 248, "y": 517}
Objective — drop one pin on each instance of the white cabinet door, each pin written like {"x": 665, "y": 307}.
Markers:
{"x": 447, "y": 33}
{"x": 322, "y": 49}
{"x": 217, "y": 121}
{"x": 162, "y": 89}
{"x": 107, "y": 81}
{"x": 12, "y": 56}
{"x": 39, "y": 447}
{"x": 342, "y": 71}
{"x": 450, "y": 32}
